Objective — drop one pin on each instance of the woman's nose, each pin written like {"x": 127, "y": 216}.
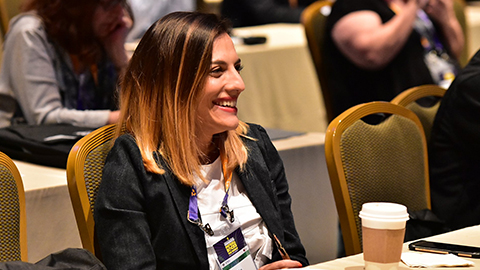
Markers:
{"x": 117, "y": 10}
{"x": 236, "y": 82}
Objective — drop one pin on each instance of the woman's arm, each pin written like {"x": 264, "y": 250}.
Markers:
{"x": 366, "y": 41}
{"x": 121, "y": 223}
{"x": 29, "y": 62}
{"x": 443, "y": 13}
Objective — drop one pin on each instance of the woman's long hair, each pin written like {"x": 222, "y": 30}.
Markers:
{"x": 161, "y": 90}
{"x": 69, "y": 24}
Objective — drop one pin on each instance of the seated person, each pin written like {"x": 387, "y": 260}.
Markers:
{"x": 61, "y": 63}
{"x": 454, "y": 151}
{"x": 375, "y": 49}
{"x": 146, "y": 12}
{"x": 256, "y": 12}
{"x": 185, "y": 155}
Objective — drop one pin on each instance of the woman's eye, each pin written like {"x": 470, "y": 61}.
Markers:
{"x": 216, "y": 71}
{"x": 239, "y": 68}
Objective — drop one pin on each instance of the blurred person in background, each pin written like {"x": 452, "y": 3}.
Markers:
{"x": 146, "y": 12}
{"x": 62, "y": 60}
{"x": 375, "y": 49}
{"x": 257, "y": 12}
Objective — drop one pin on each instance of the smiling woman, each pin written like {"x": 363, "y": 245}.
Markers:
{"x": 188, "y": 185}
{"x": 62, "y": 60}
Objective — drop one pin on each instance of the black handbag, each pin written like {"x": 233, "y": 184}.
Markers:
{"x": 45, "y": 144}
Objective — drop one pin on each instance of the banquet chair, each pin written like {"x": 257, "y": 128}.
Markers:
{"x": 375, "y": 162}
{"x": 13, "y": 217}
{"x": 425, "y": 113}
{"x": 313, "y": 19}
{"x": 84, "y": 173}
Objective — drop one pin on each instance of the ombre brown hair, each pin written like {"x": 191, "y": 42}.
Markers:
{"x": 160, "y": 93}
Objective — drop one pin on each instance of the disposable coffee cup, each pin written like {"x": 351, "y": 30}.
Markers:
{"x": 383, "y": 231}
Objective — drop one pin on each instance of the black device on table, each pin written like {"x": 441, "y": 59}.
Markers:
{"x": 254, "y": 40}
{"x": 444, "y": 248}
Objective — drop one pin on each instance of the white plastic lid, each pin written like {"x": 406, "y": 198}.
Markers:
{"x": 383, "y": 215}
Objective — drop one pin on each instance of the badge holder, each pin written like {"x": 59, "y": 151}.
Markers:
{"x": 230, "y": 248}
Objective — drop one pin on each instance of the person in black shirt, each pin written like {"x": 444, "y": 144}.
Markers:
{"x": 257, "y": 12}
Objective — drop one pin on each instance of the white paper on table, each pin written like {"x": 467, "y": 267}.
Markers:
{"x": 416, "y": 259}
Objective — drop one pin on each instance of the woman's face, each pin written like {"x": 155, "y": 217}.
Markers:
{"x": 107, "y": 17}
{"x": 217, "y": 111}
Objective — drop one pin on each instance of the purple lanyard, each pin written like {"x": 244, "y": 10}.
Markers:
{"x": 225, "y": 211}
{"x": 433, "y": 34}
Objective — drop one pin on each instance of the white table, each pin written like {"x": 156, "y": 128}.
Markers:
{"x": 51, "y": 224}
{"x": 282, "y": 88}
{"x": 468, "y": 236}
{"x": 472, "y": 15}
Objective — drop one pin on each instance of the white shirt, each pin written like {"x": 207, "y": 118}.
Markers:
{"x": 210, "y": 198}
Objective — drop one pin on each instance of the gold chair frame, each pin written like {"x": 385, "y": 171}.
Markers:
{"x": 426, "y": 114}
{"x": 313, "y": 21}
{"x": 412, "y": 94}
{"x": 8, "y": 163}
{"x": 336, "y": 170}
{"x": 80, "y": 198}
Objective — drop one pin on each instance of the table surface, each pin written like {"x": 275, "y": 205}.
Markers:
{"x": 467, "y": 236}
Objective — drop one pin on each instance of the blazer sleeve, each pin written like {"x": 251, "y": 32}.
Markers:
{"x": 291, "y": 240}
{"x": 120, "y": 217}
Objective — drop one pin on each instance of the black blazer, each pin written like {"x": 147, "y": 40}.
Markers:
{"x": 141, "y": 218}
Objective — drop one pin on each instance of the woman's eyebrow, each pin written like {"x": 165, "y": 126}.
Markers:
{"x": 222, "y": 62}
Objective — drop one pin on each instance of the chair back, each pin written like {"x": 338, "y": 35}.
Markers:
{"x": 314, "y": 19}
{"x": 384, "y": 162}
{"x": 426, "y": 114}
{"x": 84, "y": 174}
{"x": 13, "y": 217}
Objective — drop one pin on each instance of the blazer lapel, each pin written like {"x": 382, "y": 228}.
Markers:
{"x": 181, "y": 196}
{"x": 258, "y": 185}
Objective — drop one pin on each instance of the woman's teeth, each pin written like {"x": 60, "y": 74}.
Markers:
{"x": 231, "y": 103}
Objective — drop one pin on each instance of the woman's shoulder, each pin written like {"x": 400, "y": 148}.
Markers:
{"x": 255, "y": 131}
{"x": 125, "y": 141}
{"x": 26, "y": 22}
